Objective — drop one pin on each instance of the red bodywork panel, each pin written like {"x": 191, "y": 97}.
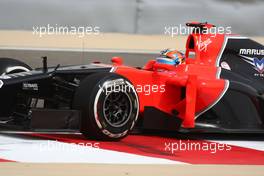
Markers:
{"x": 190, "y": 88}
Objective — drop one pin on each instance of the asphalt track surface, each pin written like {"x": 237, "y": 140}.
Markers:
{"x": 137, "y": 154}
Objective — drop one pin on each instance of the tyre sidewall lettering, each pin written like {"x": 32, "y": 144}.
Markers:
{"x": 101, "y": 122}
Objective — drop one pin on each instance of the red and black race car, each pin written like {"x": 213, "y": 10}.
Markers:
{"x": 220, "y": 88}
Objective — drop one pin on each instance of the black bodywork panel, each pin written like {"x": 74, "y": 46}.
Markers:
{"x": 241, "y": 109}
{"x": 158, "y": 120}
{"x": 41, "y": 100}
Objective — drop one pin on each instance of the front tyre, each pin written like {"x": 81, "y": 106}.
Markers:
{"x": 109, "y": 106}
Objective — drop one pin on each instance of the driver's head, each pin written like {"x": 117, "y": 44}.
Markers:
{"x": 171, "y": 57}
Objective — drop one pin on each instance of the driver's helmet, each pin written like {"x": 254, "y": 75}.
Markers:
{"x": 171, "y": 57}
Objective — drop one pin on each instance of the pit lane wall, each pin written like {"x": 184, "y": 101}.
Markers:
{"x": 132, "y": 16}
{"x": 135, "y": 49}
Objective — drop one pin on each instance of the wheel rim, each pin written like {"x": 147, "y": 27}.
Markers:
{"x": 117, "y": 108}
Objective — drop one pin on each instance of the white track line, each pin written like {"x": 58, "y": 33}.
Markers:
{"x": 46, "y": 151}
{"x": 256, "y": 145}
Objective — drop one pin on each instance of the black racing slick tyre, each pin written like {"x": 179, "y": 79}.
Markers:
{"x": 9, "y": 66}
{"x": 109, "y": 106}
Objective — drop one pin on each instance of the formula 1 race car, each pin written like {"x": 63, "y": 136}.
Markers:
{"x": 219, "y": 88}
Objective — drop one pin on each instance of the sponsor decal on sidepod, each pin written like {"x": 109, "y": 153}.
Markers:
{"x": 258, "y": 64}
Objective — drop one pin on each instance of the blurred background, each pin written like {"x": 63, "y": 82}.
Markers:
{"x": 133, "y": 29}
{"x": 133, "y": 16}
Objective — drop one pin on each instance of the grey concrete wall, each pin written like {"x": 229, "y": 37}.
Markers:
{"x": 133, "y": 16}
{"x": 245, "y": 17}
{"x": 109, "y": 15}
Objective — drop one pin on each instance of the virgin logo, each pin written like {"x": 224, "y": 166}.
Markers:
{"x": 202, "y": 45}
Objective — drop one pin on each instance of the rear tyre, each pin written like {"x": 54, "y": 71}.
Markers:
{"x": 109, "y": 106}
{"x": 9, "y": 66}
